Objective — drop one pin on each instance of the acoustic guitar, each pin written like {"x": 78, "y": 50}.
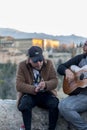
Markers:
{"x": 71, "y": 86}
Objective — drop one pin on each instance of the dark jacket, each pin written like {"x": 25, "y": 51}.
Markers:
{"x": 74, "y": 61}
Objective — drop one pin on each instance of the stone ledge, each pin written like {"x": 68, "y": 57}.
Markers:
{"x": 10, "y": 118}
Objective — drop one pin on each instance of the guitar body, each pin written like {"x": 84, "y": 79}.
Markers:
{"x": 73, "y": 85}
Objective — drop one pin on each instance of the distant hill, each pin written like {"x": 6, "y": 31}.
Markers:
{"x": 63, "y": 39}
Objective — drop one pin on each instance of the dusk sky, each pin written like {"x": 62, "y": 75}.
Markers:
{"x": 56, "y": 17}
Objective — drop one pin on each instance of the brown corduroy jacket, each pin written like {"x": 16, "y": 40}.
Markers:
{"x": 25, "y": 78}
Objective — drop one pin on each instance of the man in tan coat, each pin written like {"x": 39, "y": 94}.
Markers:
{"x": 36, "y": 82}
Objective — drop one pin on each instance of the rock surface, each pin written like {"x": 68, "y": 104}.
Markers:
{"x": 11, "y": 118}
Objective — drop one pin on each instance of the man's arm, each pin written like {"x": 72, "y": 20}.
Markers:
{"x": 73, "y": 61}
{"x": 53, "y": 80}
{"x": 21, "y": 85}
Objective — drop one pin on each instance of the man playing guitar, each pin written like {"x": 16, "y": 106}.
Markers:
{"x": 79, "y": 81}
{"x": 76, "y": 102}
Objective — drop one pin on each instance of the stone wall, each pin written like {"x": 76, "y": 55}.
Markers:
{"x": 11, "y": 118}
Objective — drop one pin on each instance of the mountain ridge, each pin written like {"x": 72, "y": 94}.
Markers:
{"x": 25, "y": 35}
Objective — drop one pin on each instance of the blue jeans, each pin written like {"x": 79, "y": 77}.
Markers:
{"x": 71, "y": 106}
{"x": 43, "y": 99}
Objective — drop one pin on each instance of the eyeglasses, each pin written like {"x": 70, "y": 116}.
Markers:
{"x": 85, "y": 44}
{"x": 38, "y": 60}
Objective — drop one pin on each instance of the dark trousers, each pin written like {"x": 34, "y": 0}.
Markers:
{"x": 44, "y": 100}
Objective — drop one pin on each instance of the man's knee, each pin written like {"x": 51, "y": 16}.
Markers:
{"x": 64, "y": 107}
{"x": 25, "y": 103}
{"x": 54, "y": 103}
{"x": 61, "y": 107}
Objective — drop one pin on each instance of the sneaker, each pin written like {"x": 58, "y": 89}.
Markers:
{"x": 22, "y": 127}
